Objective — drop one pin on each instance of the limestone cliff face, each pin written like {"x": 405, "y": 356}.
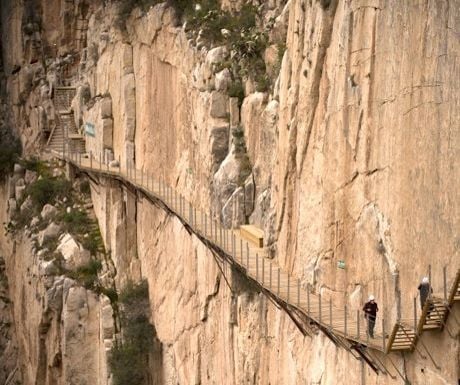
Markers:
{"x": 352, "y": 155}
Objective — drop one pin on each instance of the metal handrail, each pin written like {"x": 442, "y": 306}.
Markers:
{"x": 249, "y": 260}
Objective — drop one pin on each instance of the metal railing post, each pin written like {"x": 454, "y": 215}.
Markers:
{"x": 271, "y": 268}
{"x": 319, "y": 297}
{"x": 430, "y": 280}
{"x": 444, "y": 275}
{"x": 330, "y": 313}
{"x": 358, "y": 332}
{"x": 345, "y": 321}
{"x": 263, "y": 270}
{"x": 247, "y": 255}
{"x": 383, "y": 334}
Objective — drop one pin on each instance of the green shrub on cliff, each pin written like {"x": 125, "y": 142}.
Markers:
{"x": 128, "y": 359}
{"x": 48, "y": 190}
{"x": 86, "y": 275}
{"x": 10, "y": 150}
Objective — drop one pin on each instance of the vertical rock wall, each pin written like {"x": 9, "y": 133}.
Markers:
{"x": 350, "y": 157}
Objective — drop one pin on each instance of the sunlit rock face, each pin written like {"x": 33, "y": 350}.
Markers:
{"x": 350, "y": 156}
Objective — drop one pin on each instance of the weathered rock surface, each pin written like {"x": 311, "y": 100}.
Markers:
{"x": 351, "y": 158}
{"x": 52, "y": 231}
{"x": 73, "y": 253}
{"x": 48, "y": 212}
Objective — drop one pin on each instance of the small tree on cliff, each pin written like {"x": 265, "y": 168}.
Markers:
{"x": 129, "y": 358}
{"x": 10, "y": 150}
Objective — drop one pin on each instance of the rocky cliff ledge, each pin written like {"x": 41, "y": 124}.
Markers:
{"x": 331, "y": 125}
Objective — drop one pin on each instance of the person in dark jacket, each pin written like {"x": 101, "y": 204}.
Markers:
{"x": 425, "y": 291}
{"x": 370, "y": 312}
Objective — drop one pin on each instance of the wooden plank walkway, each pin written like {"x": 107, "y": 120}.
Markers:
{"x": 341, "y": 322}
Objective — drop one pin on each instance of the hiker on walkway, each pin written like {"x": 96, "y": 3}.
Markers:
{"x": 370, "y": 313}
{"x": 425, "y": 291}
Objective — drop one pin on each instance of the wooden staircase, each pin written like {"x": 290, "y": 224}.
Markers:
{"x": 434, "y": 316}
{"x": 65, "y": 129}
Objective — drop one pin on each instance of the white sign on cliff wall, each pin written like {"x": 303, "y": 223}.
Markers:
{"x": 90, "y": 130}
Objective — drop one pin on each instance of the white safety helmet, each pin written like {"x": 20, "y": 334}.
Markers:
{"x": 425, "y": 280}
{"x": 371, "y": 298}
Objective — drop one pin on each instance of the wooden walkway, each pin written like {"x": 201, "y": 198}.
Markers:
{"x": 342, "y": 324}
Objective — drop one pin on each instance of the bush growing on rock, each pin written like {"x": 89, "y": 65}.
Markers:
{"x": 48, "y": 190}
{"x": 129, "y": 358}
{"x": 87, "y": 274}
{"x": 10, "y": 150}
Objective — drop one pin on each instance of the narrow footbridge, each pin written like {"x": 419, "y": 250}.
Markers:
{"x": 346, "y": 327}
{"x": 308, "y": 309}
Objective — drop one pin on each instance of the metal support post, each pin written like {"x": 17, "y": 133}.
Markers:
{"x": 358, "y": 332}
{"x": 345, "y": 321}
{"x": 288, "y": 287}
